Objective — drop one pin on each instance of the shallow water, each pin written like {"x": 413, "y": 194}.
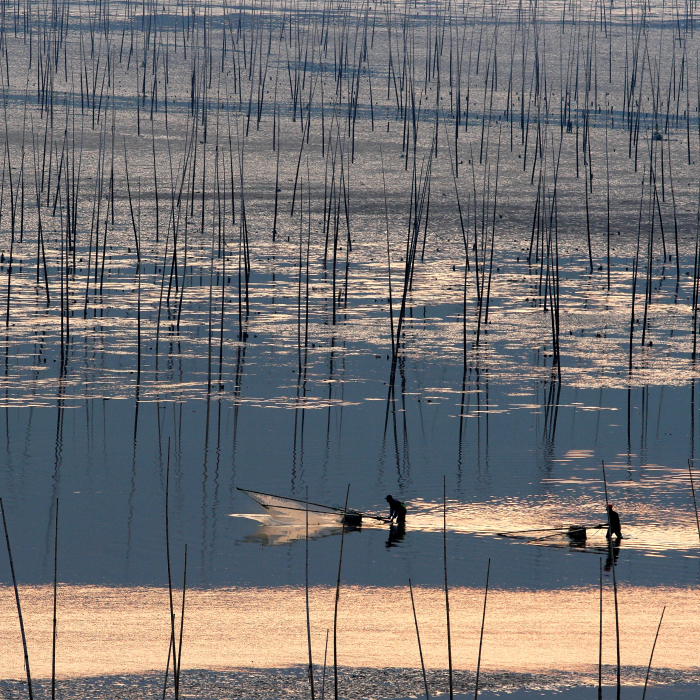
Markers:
{"x": 123, "y": 371}
{"x": 110, "y": 630}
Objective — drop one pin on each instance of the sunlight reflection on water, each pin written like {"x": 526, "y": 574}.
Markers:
{"x": 165, "y": 371}
{"x": 117, "y": 630}
{"x": 652, "y": 529}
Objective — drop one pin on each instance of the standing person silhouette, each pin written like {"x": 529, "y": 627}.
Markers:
{"x": 397, "y": 511}
{"x": 614, "y": 527}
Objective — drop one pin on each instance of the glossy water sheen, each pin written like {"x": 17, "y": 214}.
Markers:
{"x": 120, "y": 631}
{"x": 158, "y": 372}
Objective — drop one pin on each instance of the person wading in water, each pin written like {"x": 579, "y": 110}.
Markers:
{"x": 397, "y": 511}
{"x": 613, "y": 525}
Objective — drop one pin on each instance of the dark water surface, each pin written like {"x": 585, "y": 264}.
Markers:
{"x": 106, "y": 460}
{"x": 211, "y": 220}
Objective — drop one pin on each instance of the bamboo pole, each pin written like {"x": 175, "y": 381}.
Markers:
{"x": 54, "y": 628}
{"x": 651, "y": 655}
{"x": 306, "y": 591}
{"x": 447, "y": 595}
{"x": 17, "y": 602}
{"x": 695, "y": 503}
{"x": 614, "y": 577}
{"x": 481, "y": 634}
{"x": 420, "y": 646}
{"x": 337, "y": 601}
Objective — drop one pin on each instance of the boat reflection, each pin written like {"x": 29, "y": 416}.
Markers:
{"x": 277, "y": 529}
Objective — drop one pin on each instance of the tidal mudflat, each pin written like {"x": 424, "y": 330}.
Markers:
{"x": 447, "y": 251}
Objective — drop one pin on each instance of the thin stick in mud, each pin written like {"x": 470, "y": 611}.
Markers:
{"x": 651, "y": 655}
{"x": 611, "y": 555}
{"x": 20, "y": 617}
{"x": 481, "y": 633}
{"x": 337, "y": 600}
{"x": 54, "y": 626}
{"x": 420, "y": 646}
{"x": 692, "y": 491}
{"x": 447, "y": 593}
{"x": 306, "y": 592}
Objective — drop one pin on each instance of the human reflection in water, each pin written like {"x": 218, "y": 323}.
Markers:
{"x": 613, "y": 554}
{"x": 396, "y": 533}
